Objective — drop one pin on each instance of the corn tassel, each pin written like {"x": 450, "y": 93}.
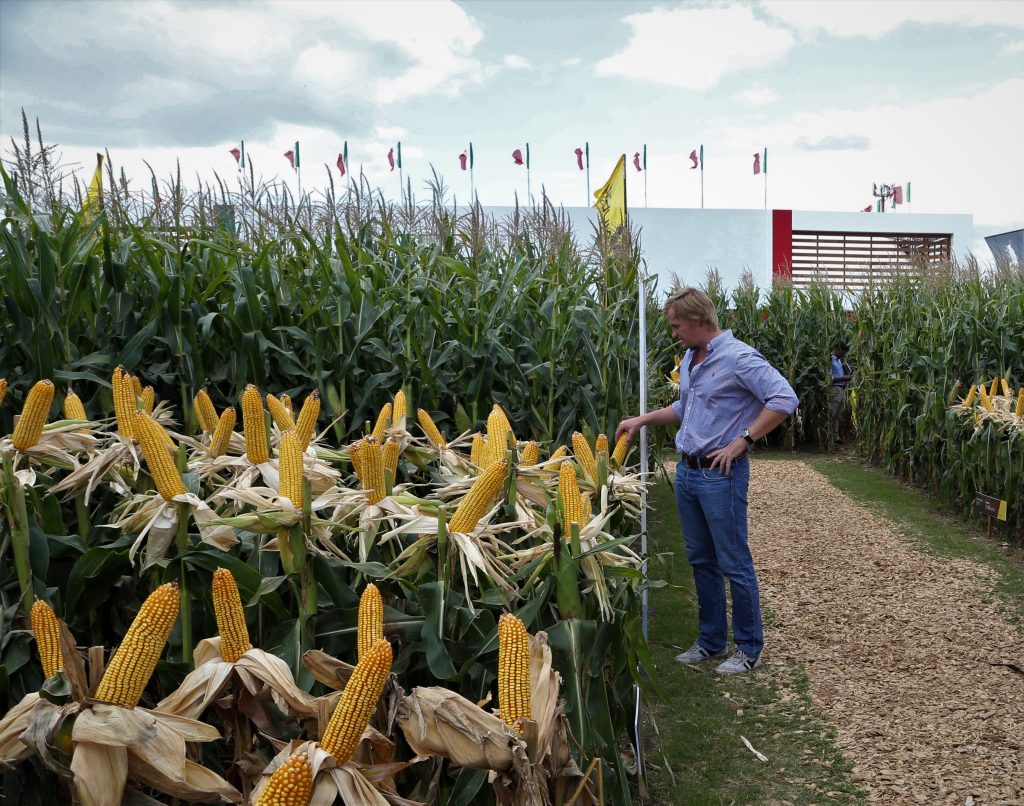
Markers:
{"x": 290, "y": 456}
{"x": 513, "y": 671}
{"x": 479, "y": 499}
{"x": 254, "y": 426}
{"x": 153, "y": 439}
{"x": 46, "y": 629}
{"x": 3, "y": 389}
{"x": 124, "y": 402}
{"x": 206, "y": 414}
{"x": 305, "y": 426}
{"x": 371, "y": 620}
{"x": 227, "y": 607}
{"x": 584, "y": 455}
{"x": 373, "y": 470}
{"x": 383, "y": 423}
{"x": 33, "y": 416}
{"x": 281, "y": 415}
{"x": 572, "y": 500}
{"x": 621, "y": 450}
{"x": 529, "y": 455}
{"x": 290, "y": 784}
{"x": 400, "y": 410}
{"x": 132, "y": 665}
{"x": 430, "y": 428}
{"x": 73, "y": 408}
{"x": 358, "y": 700}
{"x": 222, "y": 433}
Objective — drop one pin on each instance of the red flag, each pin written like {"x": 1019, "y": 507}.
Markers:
{"x": 757, "y": 163}
{"x": 579, "y": 157}
{"x": 290, "y": 156}
{"x": 462, "y": 160}
{"x": 693, "y": 156}
{"x": 234, "y": 152}
{"x": 391, "y": 157}
{"x": 897, "y": 194}
{"x": 866, "y": 209}
{"x": 636, "y": 161}
{"x": 517, "y": 157}
{"x": 341, "y": 164}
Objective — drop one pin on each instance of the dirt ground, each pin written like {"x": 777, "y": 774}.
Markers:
{"x": 907, "y": 657}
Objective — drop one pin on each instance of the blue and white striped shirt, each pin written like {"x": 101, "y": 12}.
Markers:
{"x": 725, "y": 393}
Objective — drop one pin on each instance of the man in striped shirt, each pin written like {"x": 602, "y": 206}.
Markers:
{"x": 729, "y": 397}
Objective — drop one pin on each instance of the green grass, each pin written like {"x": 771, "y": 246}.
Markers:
{"x": 696, "y": 729}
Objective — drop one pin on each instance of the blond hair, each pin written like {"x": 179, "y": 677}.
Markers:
{"x": 693, "y": 304}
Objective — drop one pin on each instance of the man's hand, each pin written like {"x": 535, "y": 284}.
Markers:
{"x": 628, "y": 426}
{"x": 723, "y": 458}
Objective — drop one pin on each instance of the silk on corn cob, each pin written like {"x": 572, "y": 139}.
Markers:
{"x": 479, "y": 499}
{"x": 358, "y": 700}
{"x": 514, "y": 690}
{"x": 227, "y": 607}
{"x": 33, "y": 415}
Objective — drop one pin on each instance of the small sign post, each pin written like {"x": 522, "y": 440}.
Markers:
{"x": 993, "y": 507}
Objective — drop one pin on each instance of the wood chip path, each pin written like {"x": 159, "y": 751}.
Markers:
{"x": 902, "y": 648}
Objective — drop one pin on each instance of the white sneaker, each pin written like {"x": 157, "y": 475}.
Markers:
{"x": 697, "y": 654}
{"x": 739, "y": 663}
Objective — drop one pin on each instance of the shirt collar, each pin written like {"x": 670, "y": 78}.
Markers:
{"x": 719, "y": 340}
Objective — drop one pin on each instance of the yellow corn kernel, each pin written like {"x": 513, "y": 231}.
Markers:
{"x": 585, "y": 456}
{"x": 1020, "y": 403}
{"x": 986, "y": 401}
{"x": 400, "y": 410}
{"x": 290, "y": 784}
{"x": 995, "y": 387}
{"x": 136, "y": 386}
{"x": 371, "y": 620}
{"x": 73, "y": 408}
{"x": 305, "y": 426}
{"x": 33, "y": 415}
{"x": 153, "y": 440}
{"x": 206, "y": 414}
{"x": 499, "y": 412}
{"x": 514, "y": 690}
{"x": 124, "y": 401}
{"x": 430, "y": 428}
{"x": 572, "y": 500}
{"x": 392, "y": 449}
{"x": 281, "y": 415}
{"x": 601, "y": 445}
{"x": 3, "y": 389}
{"x": 969, "y": 400}
{"x": 558, "y": 453}
{"x": 222, "y": 433}
{"x": 148, "y": 398}
{"x": 479, "y": 499}
{"x": 529, "y": 455}
{"x": 353, "y": 711}
{"x": 133, "y": 664}
{"x": 286, "y": 400}
{"x": 254, "y": 426}
{"x": 1005, "y": 386}
{"x": 383, "y": 423}
{"x": 227, "y": 607}
{"x": 497, "y": 436}
{"x": 477, "y": 450}
{"x": 373, "y": 470}
{"x": 355, "y": 456}
{"x": 290, "y": 456}
{"x": 46, "y": 629}
{"x": 621, "y": 450}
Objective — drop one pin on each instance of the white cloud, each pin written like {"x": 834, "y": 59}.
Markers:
{"x": 876, "y": 19}
{"x": 695, "y": 47}
{"x": 757, "y": 96}
{"x": 514, "y": 61}
{"x": 575, "y": 61}
{"x": 1014, "y": 47}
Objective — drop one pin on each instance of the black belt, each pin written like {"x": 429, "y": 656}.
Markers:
{"x": 694, "y": 460}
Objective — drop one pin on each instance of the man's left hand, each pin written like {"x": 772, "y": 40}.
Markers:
{"x": 723, "y": 458}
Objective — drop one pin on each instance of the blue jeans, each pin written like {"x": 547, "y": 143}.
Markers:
{"x": 713, "y": 514}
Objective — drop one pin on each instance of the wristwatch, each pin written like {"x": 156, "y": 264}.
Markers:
{"x": 746, "y": 436}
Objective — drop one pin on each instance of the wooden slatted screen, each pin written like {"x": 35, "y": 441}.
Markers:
{"x": 853, "y": 260}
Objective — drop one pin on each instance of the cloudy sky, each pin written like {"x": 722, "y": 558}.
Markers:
{"x": 842, "y": 94}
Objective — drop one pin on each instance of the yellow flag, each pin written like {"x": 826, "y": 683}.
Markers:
{"x": 611, "y": 197}
{"x": 94, "y": 194}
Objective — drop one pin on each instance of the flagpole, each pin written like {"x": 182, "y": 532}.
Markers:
{"x": 529, "y": 193}
{"x": 589, "y": 197}
{"x": 401, "y": 175}
{"x": 702, "y": 176}
{"x": 764, "y": 168}
{"x": 471, "y": 190}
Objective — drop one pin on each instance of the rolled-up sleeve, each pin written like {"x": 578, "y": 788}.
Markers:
{"x": 766, "y": 383}
{"x": 677, "y": 407}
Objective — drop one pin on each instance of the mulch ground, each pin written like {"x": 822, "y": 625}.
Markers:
{"x": 907, "y": 657}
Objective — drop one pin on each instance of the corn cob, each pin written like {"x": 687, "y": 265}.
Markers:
{"x": 3, "y": 389}
{"x": 587, "y": 509}
{"x": 1005, "y": 386}
{"x": 286, "y": 401}
{"x": 353, "y": 711}
{"x": 986, "y": 401}
{"x": 621, "y": 450}
{"x": 153, "y": 439}
{"x": 290, "y": 784}
{"x": 73, "y": 408}
{"x": 124, "y": 401}
{"x": 227, "y": 607}
{"x": 477, "y": 450}
{"x": 497, "y": 436}
{"x": 290, "y": 455}
{"x": 306, "y": 424}
{"x": 572, "y": 500}
{"x": 584, "y": 455}
{"x": 529, "y": 455}
{"x": 133, "y": 663}
{"x": 995, "y": 387}
{"x": 46, "y": 629}
{"x": 222, "y": 433}
{"x": 148, "y": 398}
{"x": 373, "y": 470}
{"x": 392, "y": 448}
{"x": 355, "y": 455}
{"x": 383, "y": 422}
{"x": 513, "y": 671}
{"x": 601, "y": 445}
{"x": 281, "y": 415}
{"x": 498, "y": 411}
{"x": 430, "y": 429}
{"x": 205, "y": 412}
{"x": 478, "y": 500}
{"x": 371, "y": 620}
{"x": 254, "y": 426}
{"x": 1020, "y": 402}
{"x": 969, "y": 400}
{"x": 558, "y": 453}
{"x": 136, "y": 386}
{"x": 400, "y": 410}
{"x": 33, "y": 415}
